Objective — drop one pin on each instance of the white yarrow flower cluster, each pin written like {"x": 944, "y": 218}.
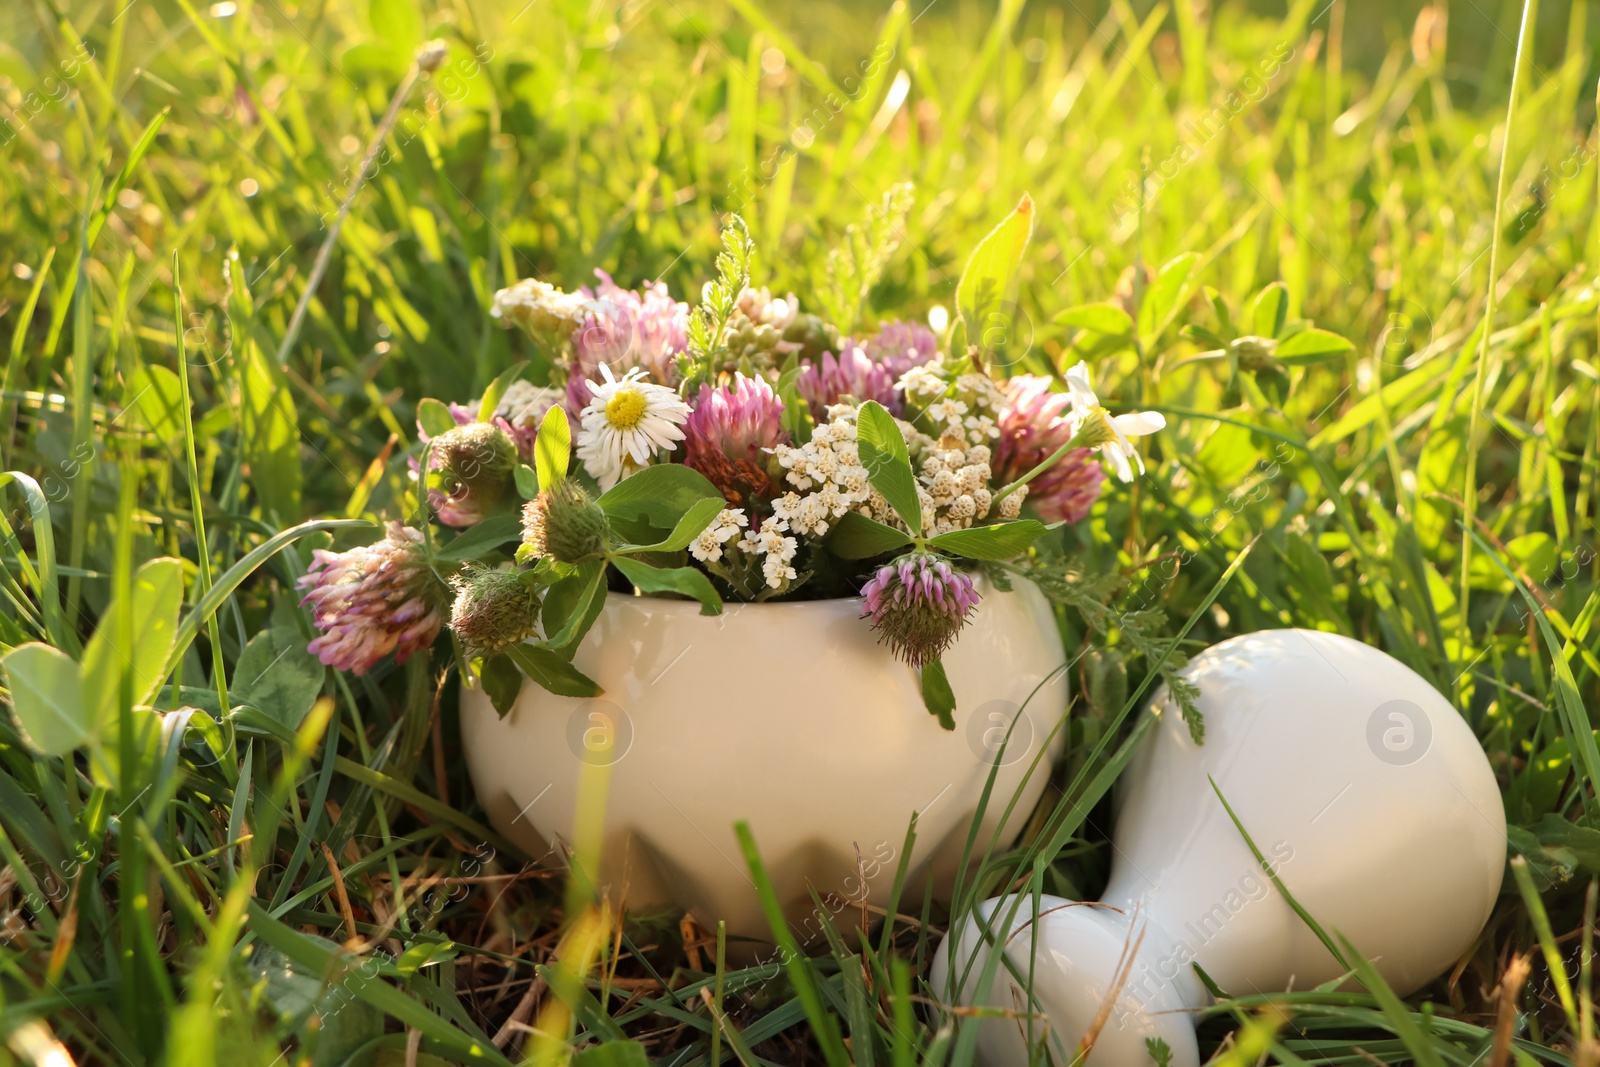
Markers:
{"x": 540, "y": 307}
{"x": 707, "y": 548}
{"x": 770, "y": 541}
{"x": 924, "y": 385}
{"x": 764, "y": 309}
{"x": 828, "y": 471}
{"x": 967, "y": 407}
{"x": 955, "y": 487}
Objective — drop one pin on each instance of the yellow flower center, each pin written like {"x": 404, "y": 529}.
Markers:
{"x": 626, "y": 408}
{"x": 1095, "y": 430}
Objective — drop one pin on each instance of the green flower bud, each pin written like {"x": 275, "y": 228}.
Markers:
{"x": 564, "y": 524}
{"x": 813, "y": 334}
{"x": 481, "y": 459}
{"x": 493, "y": 609}
{"x": 1254, "y": 353}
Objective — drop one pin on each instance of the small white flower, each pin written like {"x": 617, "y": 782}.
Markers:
{"x": 778, "y": 550}
{"x": 853, "y": 480}
{"x": 707, "y": 548}
{"x": 1109, "y": 433}
{"x": 971, "y": 478}
{"x": 764, "y": 309}
{"x": 832, "y": 501}
{"x": 540, "y": 307}
{"x": 626, "y": 422}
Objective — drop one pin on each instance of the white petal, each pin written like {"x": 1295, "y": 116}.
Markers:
{"x": 1139, "y": 423}
{"x": 1119, "y": 464}
{"x": 637, "y": 446}
{"x": 1078, "y": 387}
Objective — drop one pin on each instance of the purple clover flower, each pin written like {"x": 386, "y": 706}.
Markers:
{"x": 869, "y": 369}
{"x": 918, "y": 604}
{"x": 626, "y": 329}
{"x": 373, "y": 600}
{"x": 729, "y": 435}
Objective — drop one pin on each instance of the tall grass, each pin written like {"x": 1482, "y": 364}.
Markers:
{"x": 298, "y": 864}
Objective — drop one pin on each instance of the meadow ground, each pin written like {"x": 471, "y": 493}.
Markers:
{"x": 171, "y": 173}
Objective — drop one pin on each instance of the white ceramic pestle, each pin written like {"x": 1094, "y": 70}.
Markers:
{"x": 1363, "y": 788}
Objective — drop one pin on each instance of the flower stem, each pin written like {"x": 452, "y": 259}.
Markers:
{"x": 1076, "y": 441}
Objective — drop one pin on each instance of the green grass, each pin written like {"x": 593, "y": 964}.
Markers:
{"x": 182, "y": 909}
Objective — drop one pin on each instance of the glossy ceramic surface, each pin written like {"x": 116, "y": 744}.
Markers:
{"x": 1361, "y": 785}
{"x": 790, "y": 716}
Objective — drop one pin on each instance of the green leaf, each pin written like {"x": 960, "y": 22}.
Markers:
{"x": 1005, "y": 540}
{"x": 319, "y": 956}
{"x": 1274, "y": 385}
{"x": 527, "y": 482}
{"x": 855, "y": 536}
{"x": 1268, "y": 310}
{"x": 937, "y": 695}
{"x": 497, "y": 390}
{"x": 991, "y": 271}
{"x": 156, "y": 397}
{"x": 686, "y": 580}
{"x": 47, "y": 698}
{"x": 1101, "y": 318}
{"x": 655, "y": 499}
{"x": 1165, "y": 295}
{"x": 612, "y": 1054}
{"x": 552, "y": 450}
{"x": 278, "y": 676}
{"x": 501, "y": 682}
{"x": 1311, "y": 346}
{"x": 701, "y": 513}
{"x": 109, "y": 198}
{"x": 883, "y": 453}
{"x": 474, "y": 541}
{"x": 572, "y": 604}
{"x": 271, "y": 433}
{"x": 796, "y": 412}
{"x": 398, "y": 23}
{"x": 44, "y": 580}
{"x": 550, "y": 670}
{"x": 342, "y": 1025}
{"x": 434, "y": 417}
{"x": 157, "y": 592}
{"x": 1573, "y": 716}
{"x": 425, "y": 954}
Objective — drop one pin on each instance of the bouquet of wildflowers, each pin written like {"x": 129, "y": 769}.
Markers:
{"x": 744, "y": 449}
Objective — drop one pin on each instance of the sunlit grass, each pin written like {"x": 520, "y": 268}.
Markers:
{"x": 169, "y": 174}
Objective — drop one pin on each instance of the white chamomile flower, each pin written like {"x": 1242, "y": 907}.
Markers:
{"x": 1105, "y": 433}
{"x": 626, "y": 422}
